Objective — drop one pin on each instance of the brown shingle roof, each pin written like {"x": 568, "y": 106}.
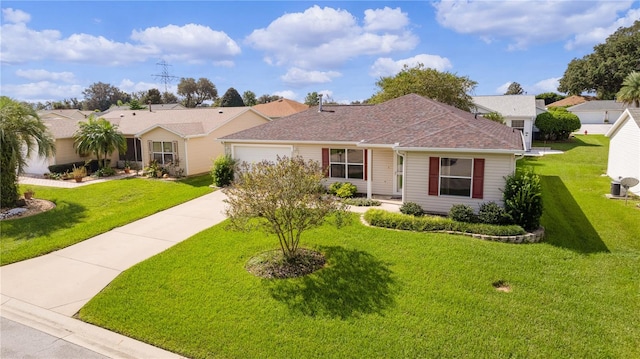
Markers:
{"x": 570, "y": 101}
{"x": 407, "y": 121}
{"x": 280, "y": 108}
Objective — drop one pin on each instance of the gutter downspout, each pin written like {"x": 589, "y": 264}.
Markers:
{"x": 369, "y": 171}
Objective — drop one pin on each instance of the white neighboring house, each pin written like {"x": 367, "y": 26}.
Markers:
{"x": 624, "y": 148}
{"x": 598, "y": 111}
{"x": 519, "y": 111}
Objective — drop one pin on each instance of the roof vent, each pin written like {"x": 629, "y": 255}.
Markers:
{"x": 220, "y": 111}
{"x": 121, "y": 115}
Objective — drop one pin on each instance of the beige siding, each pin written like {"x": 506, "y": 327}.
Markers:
{"x": 417, "y": 180}
{"x": 201, "y": 152}
{"x": 65, "y": 152}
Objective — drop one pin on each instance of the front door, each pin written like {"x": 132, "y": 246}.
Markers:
{"x": 398, "y": 178}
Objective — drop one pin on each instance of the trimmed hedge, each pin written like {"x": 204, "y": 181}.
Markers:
{"x": 65, "y": 167}
{"x": 382, "y": 218}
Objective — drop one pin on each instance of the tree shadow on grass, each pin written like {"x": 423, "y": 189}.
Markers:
{"x": 565, "y": 224}
{"x": 352, "y": 283}
{"x": 566, "y": 145}
{"x": 65, "y": 215}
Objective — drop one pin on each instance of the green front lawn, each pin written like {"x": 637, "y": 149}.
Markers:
{"x": 397, "y": 294}
{"x": 87, "y": 211}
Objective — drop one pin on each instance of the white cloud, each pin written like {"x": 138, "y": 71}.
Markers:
{"x": 296, "y": 76}
{"x": 599, "y": 34}
{"x": 526, "y": 23}
{"x": 189, "y": 43}
{"x": 388, "y": 67}
{"x": 326, "y": 37}
{"x": 288, "y": 94}
{"x": 501, "y": 90}
{"x": 10, "y": 15}
{"x": 42, "y": 75}
{"x": 547, "y": 85}
{"x": 43, "y": 91}
{"x": 385, "y": 19}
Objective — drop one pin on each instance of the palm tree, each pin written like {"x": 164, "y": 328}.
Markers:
{"x": 100, "y": 137}
{"x": 630, "y": 91}
{"x": 21, "y": 133}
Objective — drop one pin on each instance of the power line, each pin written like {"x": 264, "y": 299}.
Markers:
{"x": 165, "y": 77}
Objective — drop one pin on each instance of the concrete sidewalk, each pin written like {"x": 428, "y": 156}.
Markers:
{"x": 48, "y": 290}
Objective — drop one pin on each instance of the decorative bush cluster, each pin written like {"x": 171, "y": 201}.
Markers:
{"x": 222, "y": 170}
{"x": 523, "y": 198}
{"x": 381, "y": 218}
{"x": 343, "y": 189}
{"x": 462, "y": 213}
{"x": 411, "y": 208}
{"x": 361, "y": 202}
{"x": 492, "y": 213}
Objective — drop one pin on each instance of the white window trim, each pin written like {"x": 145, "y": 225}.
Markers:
{"x": 162, "y": 152}
{"x": 346, "y": 163}
{"x": 470, "y": 178}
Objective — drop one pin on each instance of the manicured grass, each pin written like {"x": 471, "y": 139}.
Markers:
{"x": 87, "y": 211}
{"x": 395, "y": 294}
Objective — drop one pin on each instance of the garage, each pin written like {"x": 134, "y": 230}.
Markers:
{"x": 257, "y": 153}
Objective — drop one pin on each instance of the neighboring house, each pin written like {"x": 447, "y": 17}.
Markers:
{"x": 280, "y": 108}
{"x": 598, "y": 111}
{"x": 570, "y": 101}
{"x": 624, "y": 147}
{"x": 182, "y": 139}
{"x": 153, "y": 107}
{"x": 66, "y": 113}
{"x": 519, "y": 111}
{"x": 411, "y": 147}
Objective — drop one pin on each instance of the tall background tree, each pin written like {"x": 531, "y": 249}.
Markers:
{"x": 604, "y": 70}
{"x": 100, "y": 137}
{"x": 268, "y": 98}
{"x": 168, "y": 97}
{"x": 249, "y": 98}
{"x": 441, "y": 86}
{"x": 231, "y": 98}
{"x": 22, "y": 134}
{"x": 152, "y": 95}
{"x": 630, "y": 91}
{"x": 101, "y": 96}
{"x": 312, "y": 99}
{"x": 514, "y": 89}
{"x": 194, "y": 92}
{"x": 550, "y": 97}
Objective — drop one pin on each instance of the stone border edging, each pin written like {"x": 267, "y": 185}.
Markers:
{"x": 532, "y": 237}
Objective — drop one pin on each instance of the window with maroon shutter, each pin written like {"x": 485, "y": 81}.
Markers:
{"x": 434, "y": 175}
{"x": 478, "y": 178}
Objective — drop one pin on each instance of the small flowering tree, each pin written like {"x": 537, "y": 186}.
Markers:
{"x": 284, "y": 198}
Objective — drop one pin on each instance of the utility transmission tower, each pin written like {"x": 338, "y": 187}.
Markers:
{"x": 164, "y": 75}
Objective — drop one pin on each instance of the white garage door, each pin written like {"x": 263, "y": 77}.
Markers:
{"x": 253, "y": 154}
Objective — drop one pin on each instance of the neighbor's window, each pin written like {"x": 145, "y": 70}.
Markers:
{"x": 344, "y": 163}
{"x": 163, "y": 152}
{"x": 455, "y": 176}
{"x": 518, "y": 125}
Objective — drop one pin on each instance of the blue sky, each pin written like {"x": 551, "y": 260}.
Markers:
{"x": 51, "y": 50}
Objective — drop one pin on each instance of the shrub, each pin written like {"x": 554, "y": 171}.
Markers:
{"x": 343, "y": 189}
{"x": 411, "y": 208}
{"x": 462, "y": 213}
{"x": 557, "y": 124}
{"x": 523, "y": 199}
{"x": 222, "y": 170}
{"x": 154, "y": 169}
{"x": 492, "y": 213}
{"x": 65, "y": 167}
{"x": 104, "y": 172}
{"x": 361, "y": 202}
{"x": 385, "y": 219}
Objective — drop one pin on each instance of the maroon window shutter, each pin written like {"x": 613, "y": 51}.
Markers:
{"x": 365, "y": 165}
{"x": 325, "y": 161}
{"x": 434, "y": 175}
{"x": 478, "y": 178}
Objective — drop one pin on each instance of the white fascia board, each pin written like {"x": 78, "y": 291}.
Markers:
{"x": 287, "y": 142}
{"x": 459, "y": 150}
